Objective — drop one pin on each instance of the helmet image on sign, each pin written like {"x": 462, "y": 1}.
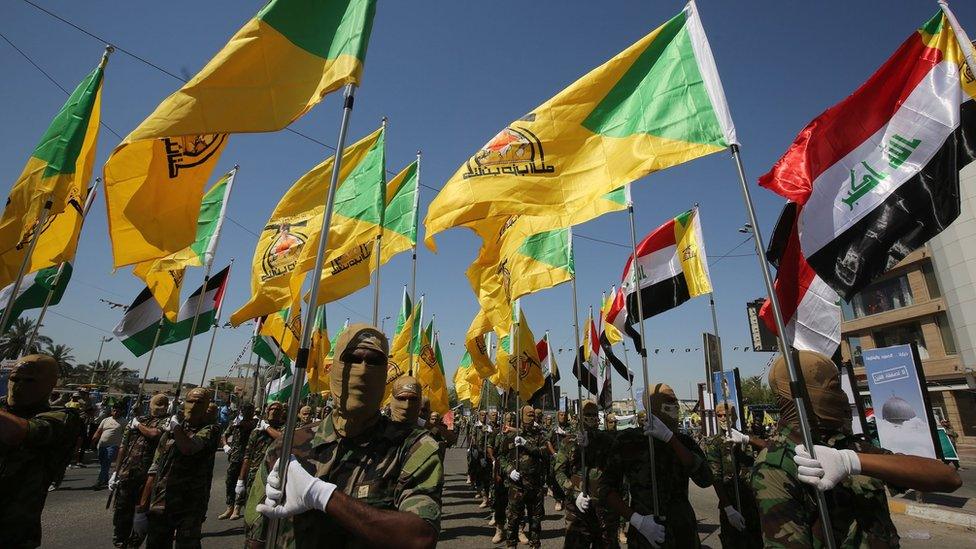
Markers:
{"x": 896, "y": 410}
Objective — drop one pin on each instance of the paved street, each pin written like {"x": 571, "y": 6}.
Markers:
{"x": 76, "y": 517}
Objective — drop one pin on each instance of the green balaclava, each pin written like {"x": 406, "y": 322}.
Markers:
{"x": 31, "y": 381}
{"x": 358, "y": 379}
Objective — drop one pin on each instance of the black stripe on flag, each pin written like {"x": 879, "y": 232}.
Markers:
{"x": 619, "y": 366}
{"x": 658, "y": 297}
{"x": 583, "y": 373}
{"x": 919, "y": 209}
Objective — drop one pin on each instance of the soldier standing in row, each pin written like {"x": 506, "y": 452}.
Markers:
{"x": 439, "y": 431}
{"x": 360, "y": 477}
{"x": 477, "y": 457}
{"x": 131, "y": 467}
{"x": 306, "y": 416}
{"x": 523, "y": 459}
{"x": 499, "y": 502}
{"x": 264, "y": 434}
{"x": 235, "y": 442}
{"x": 36, "y": 442}
{"x": 405, "y": 401}
{"x": 174, "y": 499}
{"x": 488, "y": 478}
{"x": 558, "y": 434}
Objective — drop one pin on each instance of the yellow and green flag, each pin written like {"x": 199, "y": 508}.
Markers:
{"x": 58, "y": 170}
{"x": 295, "y": 222}
{"x": 406, "y": 341}
{"x": 476, "y": 344}
{"x": 319, "y": 365}
{"x": 164, "y": 276}
{"x": 401, "y": 216}
{"x": 430, "y": 372}
{"x": 277, "y": 67}
{"x": 655, "y": 105}
{"x": 285, "y": 328}
{"x": 522, "y": 359}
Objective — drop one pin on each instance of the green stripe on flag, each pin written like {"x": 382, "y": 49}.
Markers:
{"x": 209, "y": 218}
{"x": 551, "y": 248}
{"x": 34, "y": 290}
{"x": 326, "y": 28}
{"x": 362, "y": 193}
{"x": 61, "y": 143}
{"x": 400, "y": 216}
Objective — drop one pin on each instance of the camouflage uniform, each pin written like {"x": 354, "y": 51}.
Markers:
{"x": 178, "y": 500}
{"x": 631, "y": 461}
{"x": 499, "y": 490}
{"x": 597, "y": 527}
{"x": 257, "y": 446}
{"x": 138, "y": 453}
{"x": 237, "y": 435}
{"x": 790, "y": 518}
{"x": 392, "y": 466}
{"x": 28, "y": 469}
{"x": 718, "y": 452}
{"x": 529, "y": 494}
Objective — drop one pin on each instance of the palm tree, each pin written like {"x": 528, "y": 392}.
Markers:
{"x": 14, "y": 341}
{"x": 111, "y": 372}
{"x": 62, "y": 354}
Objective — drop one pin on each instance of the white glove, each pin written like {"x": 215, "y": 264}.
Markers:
{"x": 582, "y": 502}
{"x": 488, "y": 429}
{"x": 582, "y": 439}
{"x": 829, "y": 468}
{"x": 172, "y": 423}
{"x": 514, "y": 475}
{"x": 649, "y": 528}
{"x": 262, "y": 425}
{"x": 237, "y": 420}
{"x": 737, "y": 437}
{"x": 134, "y": 423}
{"x": 735, "y": 518}
{"x": 140, "y": 524}
{"x": 657, "y": 429}
{"x": 226, "y": 448}
{"x": 113, "y": 481}
{"x": 519, "y": 441}
{"x": 304, "y": 492}
{"x": 239, "y": 488}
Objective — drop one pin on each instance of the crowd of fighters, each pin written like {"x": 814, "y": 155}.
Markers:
{"x": 364, "y": 476}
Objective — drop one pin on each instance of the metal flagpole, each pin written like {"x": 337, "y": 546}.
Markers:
{"x": 579, "y": 367}
{"x": 635, "y": 280}
{"x": 298, "y": 379}
{"x": 725, "y": 398}
{"x": 38, "y": 228}
{"x": 257, "y": 379}
{"x": 413, "y": 273}
{"x": 57, "y": 276}
{"x": 552, "y": 384}
{"x": 630, "y": 381}
{"x": 516, "y": 353}
{"x": 213, "y": 332}
{"x": 795, "y": 384}
{"x": 379, "y": 244}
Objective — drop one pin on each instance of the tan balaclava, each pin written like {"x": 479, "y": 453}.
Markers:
{"x": 196, "y": 405}
{"x": 591, "y": 415}
{"x": 493, "y": 418}
{"x": 32, "y": 380}
{"x": 405, "y": 401}
{"x": 611, "y": 422}
{"x": 561, "y": 418}
{"x": 725, "y": 413}
{"x": 547, "y": 421}
{"x": 358, "y": 379}
{"x": 822, "y": 380}
{"x": 528, "y": 416}
{"x": 663, "y": 403}
{"x": 275, "y": 414}
{"x": 510, "y": 419}
{"x": 158, "y": 405}
{"x": 424, "y": 411}
{"x": 305, "y": 415}
{"x": 435, "y": 420}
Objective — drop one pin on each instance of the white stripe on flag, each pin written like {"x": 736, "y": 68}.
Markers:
{"x": 654, "y": 267}
{"x": 140, "y": 317}
{"x": 816, "y": 324}
{"x": 706, "y": 65}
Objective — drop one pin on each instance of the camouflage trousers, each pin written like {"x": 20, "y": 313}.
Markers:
{"x": 752, "y": 536}
{"x": 596, "y": 529}
{"x": 125, "y": 499}
{"x": 181, "y": 527}
{"x": 499, "y": 503}
{"x": 528, "y": 501}
{"x": 233, "y": 473}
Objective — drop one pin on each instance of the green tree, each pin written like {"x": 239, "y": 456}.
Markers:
{"x": 14, "y": 341}
{"x": 755, "y": 391}
{"x": 62, "y": 355}
{"x": 112, "y": 373}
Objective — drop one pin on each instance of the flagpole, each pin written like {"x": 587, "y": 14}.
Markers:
{"x": 579, "y": 366}
{"x": 413, "y": 273}
{"x": 213, "y": 332}
{"x": 516, "y": 352}
{"x": 791, "y": 367}
{"x": 301, "y": 362}
{"x": 725, "y": 398}
{"x": 630, "y": 381}
{"x": 640, "y": 318}
{"x": 552, "y": 384}
{"x": 57, "y": 276}
{"x": 379, "y": 241}
{"x": 38, "y": 228}
{"x": 145, "y": 373}
{"x": 250, "y": 362}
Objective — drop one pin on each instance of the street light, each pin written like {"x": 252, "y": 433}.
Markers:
{"x": 104, "y": 340}
{"x": 383, "y": 324}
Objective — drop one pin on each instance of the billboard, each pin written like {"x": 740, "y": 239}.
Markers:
{"x": 727, "y": 388}
{"x": 901, "y": 410}
{"x": 763, "y": 341}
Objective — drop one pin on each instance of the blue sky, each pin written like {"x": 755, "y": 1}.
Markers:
{"x": 449, "y": 75}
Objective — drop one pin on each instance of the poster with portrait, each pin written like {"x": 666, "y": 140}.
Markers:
{"x": 727, "y": 388}
{"x": 901, "y": 409}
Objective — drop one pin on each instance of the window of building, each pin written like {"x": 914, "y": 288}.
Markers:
{"x": 931, "y": 282}
{"x": 948, "y": 341}
{"x": 902, "y": 335}
{"x": 887, "y": 295}
{"x": 854, "y": 344}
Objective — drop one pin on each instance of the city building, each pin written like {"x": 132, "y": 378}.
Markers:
{"x": 929, "y": 299}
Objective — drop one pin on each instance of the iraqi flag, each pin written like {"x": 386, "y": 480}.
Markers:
{"x": 811, "y": 308}
{"x": 586, "y": 368}
{"x": 877, "y": 175}
{"x": 672, "y": 267}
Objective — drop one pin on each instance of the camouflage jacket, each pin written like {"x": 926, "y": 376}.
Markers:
{"x": 718, "y": 453}
{"x": 257, "y": 445}
{"x": 182, "y": 481}
{"x": 237, "y": 436}
{"x": 858, "y": 507}
{"x": 569, "y": 463}
{"x": 27, "y": 469}
{"x": 532, "y": 457}
{"x": 138, "y": 449}
{"x": 392, "y": 467}
{"x": 631, "y": 461}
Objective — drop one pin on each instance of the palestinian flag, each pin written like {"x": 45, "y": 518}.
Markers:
{"x": 672, "y": 268}
{"x": 34, "y": 290}
{"x": 877, "y": 175}
{"x": 138, "y": 327}
{"x": 811, "y": 308}
{"x": 279, "y": 390}
{"x": 587, "y": 365}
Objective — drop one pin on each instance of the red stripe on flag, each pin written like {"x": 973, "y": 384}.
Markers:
{"x": 660, "y": 238}
{"x": 843, "y": 127}
{"x": 542, "y": 348}
{"x": 793, "y": 278}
